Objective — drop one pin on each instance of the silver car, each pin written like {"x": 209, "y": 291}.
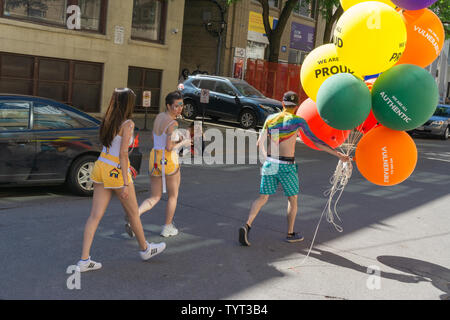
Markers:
{"x": 438, "y": 125}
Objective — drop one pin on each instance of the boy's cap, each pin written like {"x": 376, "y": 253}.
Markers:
{"x": 290, "y": 98}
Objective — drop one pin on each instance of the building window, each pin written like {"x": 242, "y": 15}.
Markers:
{"x": 140, "y": 80}
{"x": 305, "y": 8}
{"x": 149, "y": 20}
{"x": 297, "y": 56}
{"x": 54, "y": 12}
{"x": 274, "y": 3}
{"x": 72, "y": 82}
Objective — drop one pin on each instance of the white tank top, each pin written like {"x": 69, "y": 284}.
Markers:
{"x": 159, "y": 142}
{"x": 114, "y": 149}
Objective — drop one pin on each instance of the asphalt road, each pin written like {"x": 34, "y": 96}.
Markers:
{"x": 394, "y": 244}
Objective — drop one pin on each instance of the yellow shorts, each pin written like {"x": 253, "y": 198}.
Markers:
{"x": 155, "y": 163}
{"x": 108, "y": 175}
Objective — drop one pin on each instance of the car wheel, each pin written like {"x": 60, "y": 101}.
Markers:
{"x": 248, "y": 119}
{"x": 190, "y": 110}
{"x": 79, "y": 176}
{"x": 446, "y": 134}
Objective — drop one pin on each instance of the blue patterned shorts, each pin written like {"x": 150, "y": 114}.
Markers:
{"x": 273, "y": 173}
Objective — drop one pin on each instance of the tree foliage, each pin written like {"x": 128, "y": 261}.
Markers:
{"x": 442, "y": 9}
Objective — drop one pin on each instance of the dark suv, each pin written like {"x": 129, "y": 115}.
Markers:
{"x": 229, "y": 99}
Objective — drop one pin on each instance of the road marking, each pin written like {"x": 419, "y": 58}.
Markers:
{"x": 443, "y": 156}
{"x": 438, "y": 159}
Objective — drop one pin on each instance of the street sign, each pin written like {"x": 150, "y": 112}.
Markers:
{"x": 146, "y": 99}
{"x": 204, "y": 98}
{"x": 119, "y": 34}
{"x": 239, "y": 52}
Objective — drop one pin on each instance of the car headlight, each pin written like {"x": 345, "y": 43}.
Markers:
{"x": 267, "y": 109}
{"x": 437, "y": 123}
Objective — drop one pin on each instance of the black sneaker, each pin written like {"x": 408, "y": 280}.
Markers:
{"x": 243, "y": 235}
{"x": 294, "y": 237}
{"x": 129, "y": 230}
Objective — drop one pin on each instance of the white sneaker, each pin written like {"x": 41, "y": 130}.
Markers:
{"x": 88, "y": 265}
{"x": 169, "y": 230}
{"x": 152, "y": 250}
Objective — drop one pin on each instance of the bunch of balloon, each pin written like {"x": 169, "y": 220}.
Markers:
{"x": 387, "y": 43}
{"x": 396, "y": 39}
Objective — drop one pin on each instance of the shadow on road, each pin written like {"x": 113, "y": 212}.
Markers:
{"x": 34, "y": 191}
{"x": 439, "y": 276}
{"x": 340, "y": 261}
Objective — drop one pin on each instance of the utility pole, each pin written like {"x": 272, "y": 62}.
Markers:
{"x": 216, "y": 29}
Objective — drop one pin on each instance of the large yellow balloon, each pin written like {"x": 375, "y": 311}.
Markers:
{"x": 370, "y": 37}
{"x": 319, "y": 65}
{"x": 350, "y": 3}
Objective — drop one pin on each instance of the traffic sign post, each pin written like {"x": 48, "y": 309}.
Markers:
{"x": 146, "y": 103}
{"x": 204, "y": 99}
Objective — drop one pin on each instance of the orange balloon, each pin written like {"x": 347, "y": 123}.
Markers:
{"x": 426, "y": 37}
{"x": 331, "y": 136}
{"x": 386, "y": 157}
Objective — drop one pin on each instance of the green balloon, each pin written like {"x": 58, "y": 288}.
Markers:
{"x": 404, "y": 97}
{"x": 343, "y": 101}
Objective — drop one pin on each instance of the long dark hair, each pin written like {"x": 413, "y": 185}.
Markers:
{"x": 120, "y": 109}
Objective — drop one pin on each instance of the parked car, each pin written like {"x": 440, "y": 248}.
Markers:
{"x": 229, "y": 99}
{"x": 46, "y": 142}
{"x": 438, "y": 125}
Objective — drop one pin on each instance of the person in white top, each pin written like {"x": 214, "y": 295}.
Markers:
{"x": 164, "y": 168}
{"x": 111, "y": 175}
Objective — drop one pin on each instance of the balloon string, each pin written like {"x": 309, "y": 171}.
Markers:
{"x": 339, "y": 181}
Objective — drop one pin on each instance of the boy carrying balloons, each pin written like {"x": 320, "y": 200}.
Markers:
{"x": 280, "y": 167}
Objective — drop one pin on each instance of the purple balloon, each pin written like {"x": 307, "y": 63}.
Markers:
{"x": 413, "y": 4}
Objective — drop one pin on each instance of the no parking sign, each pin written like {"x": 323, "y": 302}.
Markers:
{"x": 146, "y": 99}
{"x": 204, "y": 98}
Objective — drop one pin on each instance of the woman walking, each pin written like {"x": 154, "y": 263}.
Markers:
{"x": 111, "y": 175}
{"x": 164, "y": 168}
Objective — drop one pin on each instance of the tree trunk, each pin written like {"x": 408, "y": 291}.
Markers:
{"x": 328, "y": 37}
{"x": 274, "y": 48}
{"x": 274, "y": 36}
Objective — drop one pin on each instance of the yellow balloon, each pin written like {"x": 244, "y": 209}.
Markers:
{"x": 370, "y": 37}
{"x": 350, "y": 3}
{"x": 319, "y": 65}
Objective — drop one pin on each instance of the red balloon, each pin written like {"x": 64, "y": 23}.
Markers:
{"x": 370, "y": 123}
{"x": 331, "y": 136}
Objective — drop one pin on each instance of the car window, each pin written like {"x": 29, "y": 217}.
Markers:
{"x": 48, "y": 117}
{"x": 14, "y": 115}
{"x": 196, "y": 83}
{"x": 207, "y": 84}
{"x": 247, "y": 90}
{"x": 224, "y": 88}
{"x": 442, "y": 112}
